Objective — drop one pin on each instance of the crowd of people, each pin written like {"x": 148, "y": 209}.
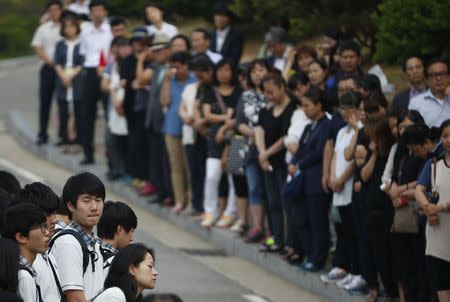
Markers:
{"x": 283, "y": 150}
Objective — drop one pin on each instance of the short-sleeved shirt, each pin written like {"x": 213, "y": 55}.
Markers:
{"x": 69, "y": 258}
{"x": 172, "y": 122}
{"x": 45, "y": 277}
{"x": 27, "y": 287}
{"x": 276, "y": 127}
{"x": 168, "y": 29}
{"x": 433, "y": 110}
{"x": 112, "y": 294}
{"x": 141, "y": 95}
{"x": 47, "y": 36}
{"x": 249, "y": 106}
{"x": 93, "y": 42}
{"x": 188, "y": 97}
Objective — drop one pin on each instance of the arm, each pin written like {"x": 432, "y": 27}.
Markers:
{"x": 143, "y": 76}
{"x": 104, "y": 84}
{"x": 212, "y": 117}
{"x": 349, "y": 152}
{"x": 276, "y": 147}
{"x": 182, "y": 111}
{"x": 75, "y": 296}
{"x": 367, "y": 170}
{"x": 40, "y": 52}
{"x": 164, "y": 98}
{"x": 327, "y": 155}
{"x": 259, "y": 139}
{"x": 289, "y": 63}
{"x": 245, "y": 130}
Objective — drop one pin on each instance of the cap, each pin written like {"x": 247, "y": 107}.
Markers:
{"x": 276, "y": 34}
{"x": 139, "y": 33}
{"x": 160, "y": 41}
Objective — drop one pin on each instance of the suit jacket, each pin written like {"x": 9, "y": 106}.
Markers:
{"x": 401, "y": 100}
{"x": 232, "y": 46}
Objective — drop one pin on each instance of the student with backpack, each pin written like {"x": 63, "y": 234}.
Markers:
{"x": 77, "y": 248}
{"x": 26, "y": 225}
{"x": 47, "y": 273}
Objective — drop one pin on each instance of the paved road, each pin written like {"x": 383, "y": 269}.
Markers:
{"x": 188, "y": 266}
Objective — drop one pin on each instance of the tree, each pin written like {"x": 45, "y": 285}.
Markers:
{"x": 413, "y": 27}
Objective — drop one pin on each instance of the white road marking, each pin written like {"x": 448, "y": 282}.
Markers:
{"x": 254, "y": 298}
{"x": 16, "y": 169}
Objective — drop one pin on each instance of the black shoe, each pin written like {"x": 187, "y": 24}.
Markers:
{"x": 87, "y": 161}
{"x": 111, "y": 176}
{"x": 41, "y": 141}
{"x": 62, "y": 142}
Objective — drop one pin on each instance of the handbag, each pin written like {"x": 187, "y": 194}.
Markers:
{"x": 293, "y": 189}
{"x": 432, "y": 196}
{"x": 405, "y": 220}
{"x": 237, "y": 155}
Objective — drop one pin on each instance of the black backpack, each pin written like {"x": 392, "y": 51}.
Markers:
{"x": 106, "y": 254}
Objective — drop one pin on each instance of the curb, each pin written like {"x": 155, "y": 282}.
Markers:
{"x": 24, "y": 134}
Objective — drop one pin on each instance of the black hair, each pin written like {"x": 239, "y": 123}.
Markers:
{"x": 82, "y": 183}
{"x": 54, "y": 2}
{"x": 350, "y": 45}
{"x": 95, "y": 3}
{"x": 253, "y": 64}
{"x": 9, "y": 182}
{"x": 409, "y": 58}
{"x": 321, "y": 63}
{"x": 370, "y": 83}
{"x": 201, "y": 62}
{"x": 9, "y": 265}
{"x": 413, "y": 116}
{"x": 21, "y": 218}
{"x": 182, "y": 57}
{"x": 115, "y": 214}
{"x": 184, "y": 38}
{"x": 374, "y": 101}
{"x": 317, "y": 96}
{"x": 297, "y": 78}
{"x": 162, "y": 297}
{"x": 275, "y": 79}
{"x": 205, "y": 32}
{"x": 416, "y": 134}
{"x": 117, "y": 21}
{"x": 40, "y": 195}
{"x": 444, "y": 125}
{"x": 69, "y": 18}
{"x": 117, "y": 41}
{"x": 158, "y": 6}
{"x": 398, "y": 114}
{"x": 119, "y": 275}
{"x": 434, "y": 61}
{"x": 5, "y": 201}
{"x": 351, "y": 99}
{"x": 226, "y": 62}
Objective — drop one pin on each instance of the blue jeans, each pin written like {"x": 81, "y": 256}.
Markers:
{"x": 255, "y": 182}
{"x": 196, "y": 157}
{"x": 274, "y": 182}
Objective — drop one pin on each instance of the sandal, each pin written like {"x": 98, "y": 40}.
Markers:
{"x": 270, "y": 248}
{"x": 287, "y": 253}
{"x": 295, "y": 259}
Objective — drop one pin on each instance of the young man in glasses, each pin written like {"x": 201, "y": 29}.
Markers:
{"x": 77, "y": 248}
{"x": 26, "y": 225}
{"x": 47, "y": 274}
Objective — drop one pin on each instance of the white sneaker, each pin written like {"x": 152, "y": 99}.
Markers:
{"x": 358, "y": 284}
{"x": 334, "y": 275}
{"x": 347, "y": 280}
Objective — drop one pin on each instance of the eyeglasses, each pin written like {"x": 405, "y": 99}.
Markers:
{"x": 438, "y": 74}
{"x": 43, "y": 226}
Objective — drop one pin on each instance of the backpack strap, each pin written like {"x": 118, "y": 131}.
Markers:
{"x": 58, "y": 284}
{"x": 86, "y": 252}
{"x": 38, "y": 288}
{"x": 106, "y": 254}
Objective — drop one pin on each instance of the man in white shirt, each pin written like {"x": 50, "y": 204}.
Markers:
{"x": 26, "y": 225}
{"x": 95, "y": 42}
{"x": 47, "y": 275}
{"x": 201, "y": 42}
{"x": 44, "y": 43}
{"x": 155, "y": 14}
{"x": 77, "y": 248}
{"x": 80, "y": 7}
{"x": 277, "y": 42}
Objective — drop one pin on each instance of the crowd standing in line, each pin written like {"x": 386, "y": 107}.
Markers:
{"x": 284, "y": 151}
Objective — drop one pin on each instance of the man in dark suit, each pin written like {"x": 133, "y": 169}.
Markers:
{"x": 414, "y": 71}
{"x": 225, "y": 39}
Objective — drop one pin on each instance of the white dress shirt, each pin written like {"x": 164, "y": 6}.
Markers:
{"x": 94, "y": 41}
{"x": 280, "y": 63}
{"x": 221, "y": 36}
{"x": 214, "y": 56}
{"x": 168, "y": 29}
{"x": 47, "y": 36}
{"x": 45, "y": 277}
{"x": 80, "y": 9}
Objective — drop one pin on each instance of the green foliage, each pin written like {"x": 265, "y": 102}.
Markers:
{"x": 410, "y": 27}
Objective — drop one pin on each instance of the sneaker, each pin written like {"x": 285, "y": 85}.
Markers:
{"x": 309, "y": 267}
{"x": 148, "y": 189}
{"x": 347, "y": 280}
{"x": 255, "y": 235}
{"x": 334, "y": 275}
{"x": 357, "y": 286}
{"x": 208, "y": 220}
{"x": 236, "y": 228}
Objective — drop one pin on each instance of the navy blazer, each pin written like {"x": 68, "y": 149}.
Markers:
{"x": 232, "y": 46}
{"x": 61, "y": 59}
{"x": 401, "y": 100}
{"x": 309, "y": 155}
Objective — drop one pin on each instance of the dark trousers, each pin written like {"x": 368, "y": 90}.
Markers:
{"x": 47, "y": 79}
{"x": 297, "y": 216}
{"x": 63, "y": 111}
{"x": 359, "y": 211}
{"x": 346, "y": 250}
{"x": 117, "y": 146}
{"x": 158, "y": 164}
{"x": 274, "y": 181}
{"x": 316, "y": 231}
{"x": 380, "y": 252}
{"x": 91, "y": 96}
{"x": 196, "y": 157}
{"x": 138, "y": 147}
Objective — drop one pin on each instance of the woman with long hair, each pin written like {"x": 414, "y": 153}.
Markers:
{"x": 132, "y": 270}
{"x": 9, "y": 271}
